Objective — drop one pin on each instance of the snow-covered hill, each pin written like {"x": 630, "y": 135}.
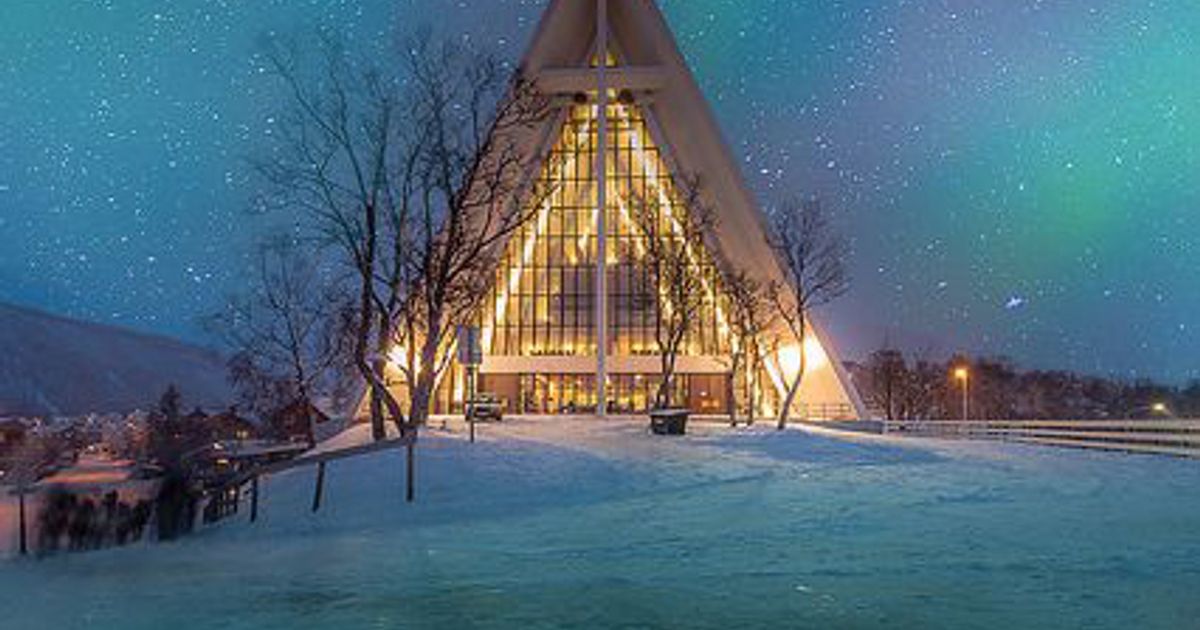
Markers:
{"x": 54, "y": 365}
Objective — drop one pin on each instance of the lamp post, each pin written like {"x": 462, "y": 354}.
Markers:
{"x": 963, "y": 376}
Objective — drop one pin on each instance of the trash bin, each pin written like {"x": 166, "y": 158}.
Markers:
{"x": 669, "y": 421}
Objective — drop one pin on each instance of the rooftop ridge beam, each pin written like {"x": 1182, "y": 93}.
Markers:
{"x": 575, "y": 80}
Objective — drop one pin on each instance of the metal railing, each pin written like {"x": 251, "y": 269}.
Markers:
{"x": 1176, "y": 437}
{"x": 817, "y": 412}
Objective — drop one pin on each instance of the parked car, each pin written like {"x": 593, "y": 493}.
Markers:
{"x": 487, "y": 407}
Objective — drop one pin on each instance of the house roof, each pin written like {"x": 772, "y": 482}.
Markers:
{"x": 301, "y": 408}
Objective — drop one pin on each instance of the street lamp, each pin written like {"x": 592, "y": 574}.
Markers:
{"x": 963, "y": 375}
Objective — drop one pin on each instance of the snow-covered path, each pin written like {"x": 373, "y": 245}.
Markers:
{"x": 593, "y": 524}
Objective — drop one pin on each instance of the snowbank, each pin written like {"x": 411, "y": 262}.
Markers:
{"x": 596, "y": 524}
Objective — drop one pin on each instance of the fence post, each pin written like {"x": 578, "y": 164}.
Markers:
{"x": 410, "y": 469}
{"x": 254, "y": 498}
{"x": 470, "y": 410}
{"x": 21, "y": 516}
{"x": 320, "y": 489}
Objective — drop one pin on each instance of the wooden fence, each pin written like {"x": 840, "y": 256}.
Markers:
{"x": 225, "y": 500}
{"x": 1180, "y": 438}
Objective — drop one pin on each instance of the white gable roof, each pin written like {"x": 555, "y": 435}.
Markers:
{"x": 563, "y": 45}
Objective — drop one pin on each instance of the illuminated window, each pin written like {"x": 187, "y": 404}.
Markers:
{"x": 543, "y": 299}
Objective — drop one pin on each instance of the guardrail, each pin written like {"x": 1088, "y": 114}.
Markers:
{"x": 1175, "y": 437}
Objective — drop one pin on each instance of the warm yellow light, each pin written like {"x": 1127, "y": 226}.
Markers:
{"x": 1159, "y": 407}
{"x": 814, "y": 358}
{"x": 399, "y": 358}
{"x": 814, "y": 355}
{"x": 962, "y": 373}
{"x": 460, "y": 394}
{"x": 789, "y": 361}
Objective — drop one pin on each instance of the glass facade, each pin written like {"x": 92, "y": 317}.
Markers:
{"x": 543, "y": 301}
{"x": 546, "y": 393}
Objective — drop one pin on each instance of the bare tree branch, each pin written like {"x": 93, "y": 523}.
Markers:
{"x": 750, "y": 316}
{"x": 288, "y": 343}
{"x": 813, "y": 258}
{"x": 672, "y": 251}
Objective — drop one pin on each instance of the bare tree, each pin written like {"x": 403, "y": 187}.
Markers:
{"x": 994, "y": 389}
{"x": 923, "y": 392}
{"x": 813, "y": 256}
{"x": 411, "y": 178}
{"x": 468, "y": 190}
{"x": 27, "y": 459}
{"x": 750, "y": 316}
{"x": 1190, "y": 399}
{"x": 287, "y": 334}
{"x": 672, "y": 250}
{"x": 888, "y": 378}
{"x": 340, "y": 158}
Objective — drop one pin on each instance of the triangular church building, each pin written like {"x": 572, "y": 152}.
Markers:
{"x": 558, "y": 336}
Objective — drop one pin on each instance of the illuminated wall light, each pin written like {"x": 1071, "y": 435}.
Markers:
{"x": 814, "y": 354}
{"x": 814, "y": 358}
{"x": 459, "y": 390}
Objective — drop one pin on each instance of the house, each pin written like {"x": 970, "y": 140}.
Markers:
{"x": 228, "y": 425}
{"x": 292, "y": 421}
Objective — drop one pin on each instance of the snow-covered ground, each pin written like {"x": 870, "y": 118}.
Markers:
{"x": 553, "y": 523}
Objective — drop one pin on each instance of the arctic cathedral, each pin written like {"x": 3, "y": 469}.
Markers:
{"x": 566, "y": 324}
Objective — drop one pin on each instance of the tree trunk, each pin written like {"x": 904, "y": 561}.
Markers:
{"x": 383, "y": 341}
{"x": 254, "y": 499}
{"x": 786, "y": 412}
{"x": 377, "y": 430}
{"x": 661, "y": 396}
{"x": 362, "y": 340}
{"x": 666, "y": 388}
{"x": 752, "y": 391}
{"x": 389, "y": 403}
{"x": 422, "y": 397}
{"x": 731, "y": 400}
{"x": 422, "y": 393}
{"x": 786, "y": 408}
{"x": 381, "y": 399}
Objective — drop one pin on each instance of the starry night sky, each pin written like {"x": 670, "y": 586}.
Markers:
{"x": 1018, "y": 177}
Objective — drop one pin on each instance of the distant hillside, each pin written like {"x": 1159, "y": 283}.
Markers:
{"x": 52, "y": 365}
